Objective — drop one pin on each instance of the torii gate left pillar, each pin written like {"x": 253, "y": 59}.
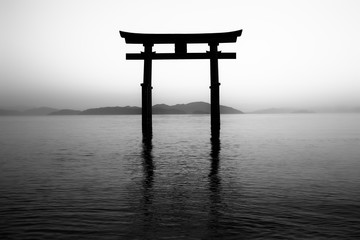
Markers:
{"x": 214, "y": 92}
{"x": 180, "y": 41}
{"x": 146, "y": 101}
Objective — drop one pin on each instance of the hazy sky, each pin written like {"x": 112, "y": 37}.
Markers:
{"x": 69, "y": 54}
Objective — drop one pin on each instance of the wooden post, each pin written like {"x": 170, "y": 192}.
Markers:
{"x": 146, "y": 94}
{"x": 214, "y": 91}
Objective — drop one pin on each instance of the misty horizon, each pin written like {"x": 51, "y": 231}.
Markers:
{"x": 302, "y": 54}
{"x": 335, "y": 108}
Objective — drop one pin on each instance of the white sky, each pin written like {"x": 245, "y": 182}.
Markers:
{"x": 69, "y": 54}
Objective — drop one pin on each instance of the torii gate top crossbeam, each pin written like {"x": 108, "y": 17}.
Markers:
{"x": 180, "y": 41}
{"x": 152, "y": 38}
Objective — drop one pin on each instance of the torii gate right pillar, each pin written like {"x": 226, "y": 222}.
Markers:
{"x": 214, "y": 91}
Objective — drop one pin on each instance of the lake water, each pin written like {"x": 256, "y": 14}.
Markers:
{"x": 294, "y": 176}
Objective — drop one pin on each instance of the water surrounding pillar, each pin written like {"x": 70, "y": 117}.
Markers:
{"x": 146, "y": 94}
{"x": 214, "y": 91}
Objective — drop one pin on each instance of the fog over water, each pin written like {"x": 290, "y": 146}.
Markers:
{"x": 270, "y": 176}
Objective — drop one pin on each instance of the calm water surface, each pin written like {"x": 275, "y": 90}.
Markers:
{"x": 91, "y": 177}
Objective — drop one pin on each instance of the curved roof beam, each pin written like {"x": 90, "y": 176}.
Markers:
{"x": 157, "y": 38}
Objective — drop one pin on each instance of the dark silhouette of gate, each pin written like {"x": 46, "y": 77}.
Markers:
{"x": 180, "y": 41}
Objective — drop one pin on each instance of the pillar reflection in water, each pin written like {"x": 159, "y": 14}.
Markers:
{"x": 148, "y": 169}
{"x": 214, "y": 187}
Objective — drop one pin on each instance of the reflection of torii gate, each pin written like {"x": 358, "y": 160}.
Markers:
{"x": 180, "y": 41}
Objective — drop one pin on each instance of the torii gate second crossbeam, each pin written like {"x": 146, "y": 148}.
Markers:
{"x": 180, "y": 41}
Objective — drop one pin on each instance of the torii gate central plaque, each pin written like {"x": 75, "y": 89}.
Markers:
{"x": 180, "y": 41}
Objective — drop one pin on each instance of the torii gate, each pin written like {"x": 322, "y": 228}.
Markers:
{"x": 180, "y": 41}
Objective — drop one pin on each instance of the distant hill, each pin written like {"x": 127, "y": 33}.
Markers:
{"x": 66, "y": 112}
{"x": 193, "y": 108}
{"x": 190, "y": 108}
{"x": 112, "y": 111}
{"x": 166, "y": 109}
